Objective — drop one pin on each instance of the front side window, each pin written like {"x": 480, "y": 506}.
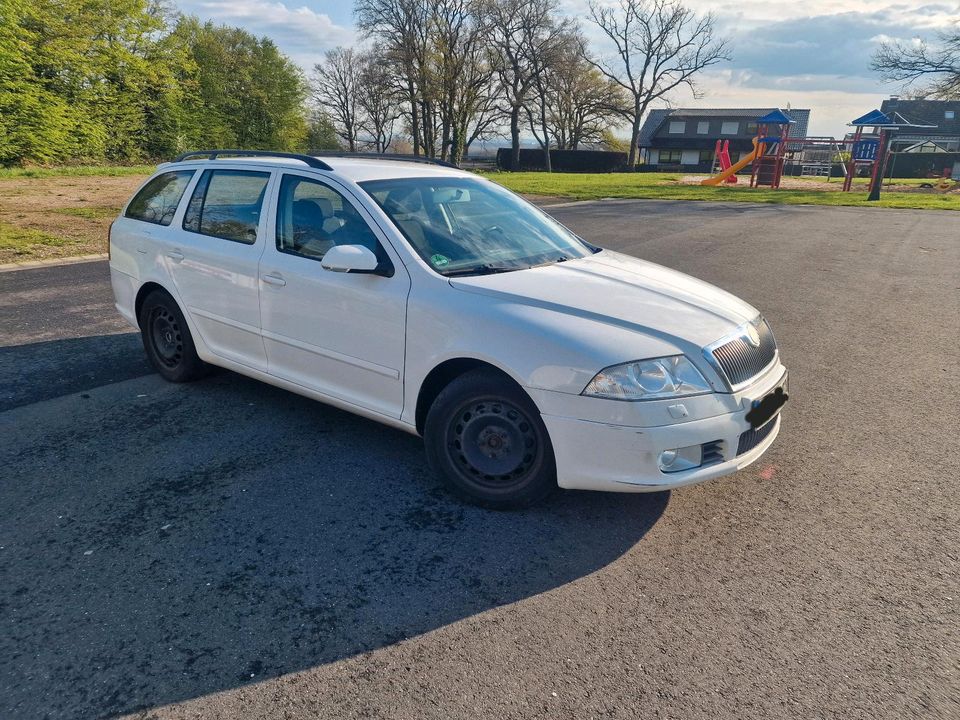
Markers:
{"x": 729, "y": 128}
{"x": 462, "y": 226}
{"x": 226, "y": 204}
{"x": 157, "y": 201}
{"x": 703, "y": 127}
{"x": 677, "y": 127}
{"x": 312, "y": 217}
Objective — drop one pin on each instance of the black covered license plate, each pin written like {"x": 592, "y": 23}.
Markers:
{"x": 762, "y": 410}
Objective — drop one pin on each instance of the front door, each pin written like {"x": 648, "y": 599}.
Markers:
{"x": 213, "y": 258}
{"x": 341, "y": 334}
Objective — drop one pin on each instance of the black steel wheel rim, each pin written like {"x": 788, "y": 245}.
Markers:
{"x": 166, "y": 337}
{"x": 493, "y": 444}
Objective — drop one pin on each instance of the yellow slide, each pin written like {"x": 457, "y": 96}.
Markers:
{"x": 735, "y": 168}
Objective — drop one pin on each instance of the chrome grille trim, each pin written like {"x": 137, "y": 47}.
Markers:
{"x": 735, "y": 358}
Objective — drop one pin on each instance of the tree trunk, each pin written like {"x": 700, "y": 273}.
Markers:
{"x": 546, "y": 139}
{"x": 515, "y": 138}
{"x": 634, "y": 139}
{"x": 414, "y": 116}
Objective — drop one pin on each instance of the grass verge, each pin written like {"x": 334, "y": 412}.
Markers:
{"x": 667, "y": 186}
{"x": 76, "y": 171}
{"x": 27, "y": 243}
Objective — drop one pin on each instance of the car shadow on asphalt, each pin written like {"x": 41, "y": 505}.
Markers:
{"x": 171, "y": 541}
{"x": 44, "y": 370}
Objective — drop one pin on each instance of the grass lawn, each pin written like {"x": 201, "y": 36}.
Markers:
{"x": 668, "y": 186}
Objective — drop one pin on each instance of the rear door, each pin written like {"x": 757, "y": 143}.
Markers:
{"x": 213, "y": 257}
{"x": 341, "y": 334}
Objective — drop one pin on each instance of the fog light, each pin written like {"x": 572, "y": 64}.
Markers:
{"x": 678, "y": 459}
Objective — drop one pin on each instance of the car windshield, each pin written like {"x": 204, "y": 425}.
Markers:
{"x": 462, "y": 226}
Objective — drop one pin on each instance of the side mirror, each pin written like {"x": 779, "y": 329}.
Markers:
{"x": 350, "y": 258}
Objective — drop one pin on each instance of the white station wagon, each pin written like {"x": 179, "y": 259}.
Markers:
{"x": 437, "y": 302}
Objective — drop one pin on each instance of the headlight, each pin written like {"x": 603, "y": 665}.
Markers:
{"x": 653, "y": 379}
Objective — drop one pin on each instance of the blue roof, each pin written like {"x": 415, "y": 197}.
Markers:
{"x": 778, "y": 117}
{"x": 874, "y": 117}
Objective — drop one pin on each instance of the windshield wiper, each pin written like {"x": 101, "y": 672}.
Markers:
{"x": 485, "y": 269}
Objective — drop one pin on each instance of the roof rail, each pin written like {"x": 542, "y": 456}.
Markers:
{"x": 213, "y": 154}
{"x": 385, "y": 156}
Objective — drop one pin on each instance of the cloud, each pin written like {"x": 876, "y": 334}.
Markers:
{"x": 300, "y": 32}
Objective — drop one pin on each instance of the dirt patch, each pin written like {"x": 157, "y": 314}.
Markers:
{"x": 59, "y": 217}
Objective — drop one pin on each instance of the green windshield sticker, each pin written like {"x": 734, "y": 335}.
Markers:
{"x": 439, "y": 260}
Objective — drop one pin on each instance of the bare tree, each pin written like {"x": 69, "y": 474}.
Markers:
{"x": 461, "y": 72}
{"x": 513, "y": 26}
{"x": 547, "y": 47}
{"x": 335, "y": 90}
{"x": 660, "y": 45}
{"x": 583, "y": 104}
{"x": 401, "y": 27}
{"x": 379, "y": 100}
{"x": 912, "y": 62}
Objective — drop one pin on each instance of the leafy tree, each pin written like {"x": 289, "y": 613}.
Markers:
{"x": 321, "y": 133}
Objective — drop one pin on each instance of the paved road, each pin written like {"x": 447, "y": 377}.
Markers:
{"x": 226, "y": 549}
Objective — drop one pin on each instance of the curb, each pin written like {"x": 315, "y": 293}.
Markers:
{"x": 8, "y": 267}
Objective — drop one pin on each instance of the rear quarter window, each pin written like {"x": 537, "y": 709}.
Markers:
{"x": 226, "y": 204}
{"x": 157, "y": 201}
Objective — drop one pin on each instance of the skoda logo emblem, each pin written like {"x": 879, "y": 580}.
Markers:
{"x": 752, "y": 336}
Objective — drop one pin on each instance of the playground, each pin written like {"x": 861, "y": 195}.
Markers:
{"x": 867, "y": 152}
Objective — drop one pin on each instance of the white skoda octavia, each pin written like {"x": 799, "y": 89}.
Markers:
{"x": 435, "y": 301}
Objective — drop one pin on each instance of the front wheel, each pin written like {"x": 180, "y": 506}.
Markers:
{"x": 167, "y": 340}
{"x": 485, "y": 437}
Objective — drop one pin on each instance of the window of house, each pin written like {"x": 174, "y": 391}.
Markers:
{"x": 751, "y": 128}
{"x": 678, "y": 127}
{"x": 703, "y": 127}
{"x": 158, "y": 200}
{"x": 226, "y": 204}
{"x": 670, "y": 157}
{"x": 706, "y": 157}
{"x": 948, "y": 115}
{"x": 730, "y": 127}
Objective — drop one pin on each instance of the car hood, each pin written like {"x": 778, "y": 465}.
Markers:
{"x": 621, "y": 290}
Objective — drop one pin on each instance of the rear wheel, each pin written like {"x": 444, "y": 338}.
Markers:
{"x": 486, "y": 439}
{"x": 167, "y": 340}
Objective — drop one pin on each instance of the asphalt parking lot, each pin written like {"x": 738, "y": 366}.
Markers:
{"x": 227, "y": 549}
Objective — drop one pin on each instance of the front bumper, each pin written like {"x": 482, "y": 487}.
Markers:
{"x": 594, "y": 455}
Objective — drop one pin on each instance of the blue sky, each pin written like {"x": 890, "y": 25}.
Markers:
{"x": 811, "y": 54}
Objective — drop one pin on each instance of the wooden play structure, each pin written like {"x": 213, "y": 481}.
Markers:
{"x": 866, "y": 153}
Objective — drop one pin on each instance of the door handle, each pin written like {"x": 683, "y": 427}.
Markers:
{"x": 273, "y": 279}
{"x": 175, "y": 255}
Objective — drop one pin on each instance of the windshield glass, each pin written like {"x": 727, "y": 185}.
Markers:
{"x": 462, "y": 226}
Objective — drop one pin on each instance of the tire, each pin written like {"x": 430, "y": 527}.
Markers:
{"x": 485, "y": 438}
{"x": 167, "y": 340}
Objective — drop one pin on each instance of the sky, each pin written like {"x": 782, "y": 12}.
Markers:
{"x": 811, "y": 54}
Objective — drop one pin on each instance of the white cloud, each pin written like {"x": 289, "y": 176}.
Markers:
{"x": 812, "y": 54}
{"x": 300, "y": 32}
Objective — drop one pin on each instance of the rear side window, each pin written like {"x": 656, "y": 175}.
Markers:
{"x": 157, "y": 201}
{"x": 226, "y": 204}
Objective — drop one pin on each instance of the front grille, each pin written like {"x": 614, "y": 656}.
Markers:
{"x": 740, "y": 361}
{"x": 712, "y": 452}
{"x": 751, "y": 438}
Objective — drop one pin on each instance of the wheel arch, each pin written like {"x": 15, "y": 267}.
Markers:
{"x": 445, "y": 373}
{"x": 145, "y": 289}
